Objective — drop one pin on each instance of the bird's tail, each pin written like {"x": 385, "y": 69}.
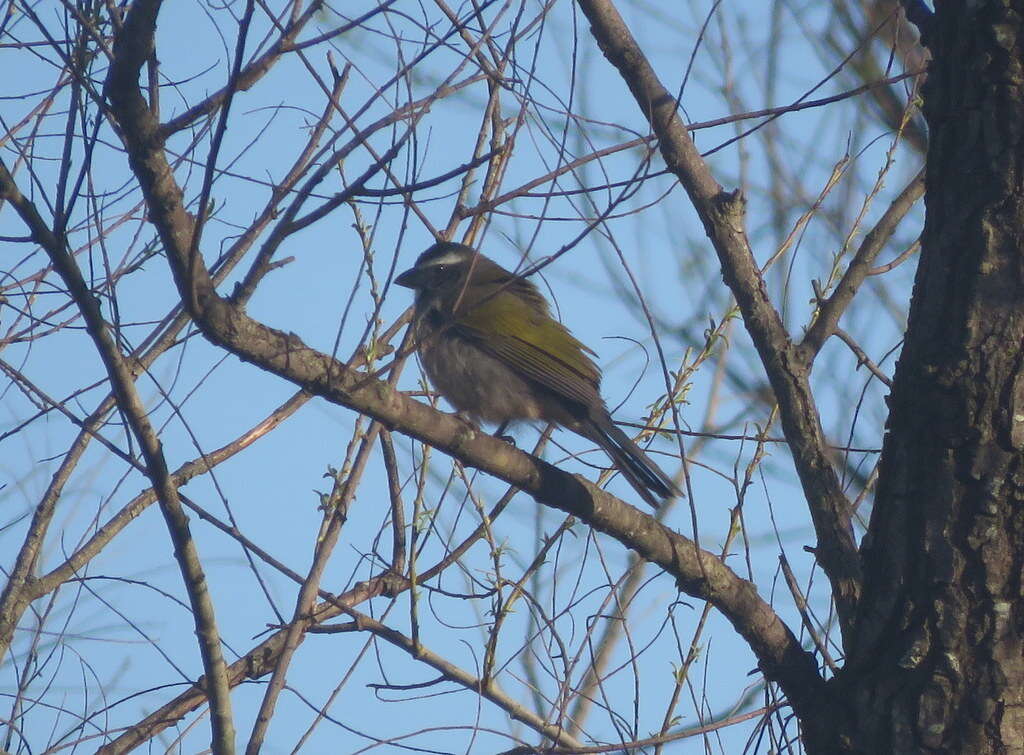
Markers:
{"x": 644, "y": 475}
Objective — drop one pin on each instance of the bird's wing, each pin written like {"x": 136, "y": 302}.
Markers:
{"x": 533, "y": 343}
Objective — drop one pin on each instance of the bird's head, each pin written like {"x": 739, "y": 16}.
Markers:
{"x": 445, "y": 272}
{"x": 444, "y": 265}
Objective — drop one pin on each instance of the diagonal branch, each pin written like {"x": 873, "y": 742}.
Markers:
{"x": 697, "y": 572}
{"x": 860, "y": 267}
{"x": 130, "y": 403}
{"x": 723, "y": 216}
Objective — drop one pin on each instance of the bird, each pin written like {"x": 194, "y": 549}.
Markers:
{"x": 487, "y": 341}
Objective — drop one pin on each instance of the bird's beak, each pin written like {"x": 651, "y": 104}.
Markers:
{"x": 411, "y": 278}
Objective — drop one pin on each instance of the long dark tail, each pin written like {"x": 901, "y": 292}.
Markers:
{"x": 653, "y": 485}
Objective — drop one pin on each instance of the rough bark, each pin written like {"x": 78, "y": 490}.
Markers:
{"x": 936, "y": 663}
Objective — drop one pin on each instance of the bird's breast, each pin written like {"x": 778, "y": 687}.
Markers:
{"x": 473, "y": 381}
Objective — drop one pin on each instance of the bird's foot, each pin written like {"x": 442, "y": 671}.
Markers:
{"x": 500, "y": 433}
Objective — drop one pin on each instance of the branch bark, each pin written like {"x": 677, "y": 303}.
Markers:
{"x": 722, "y": 214}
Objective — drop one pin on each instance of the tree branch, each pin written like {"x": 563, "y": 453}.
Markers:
{"x": 130, "y": 403}
{"x": 697, "y": 572}
{"x": 722, "y": 214}
{"x": 831, "y": 309}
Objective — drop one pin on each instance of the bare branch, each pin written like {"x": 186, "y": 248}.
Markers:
{"x": 722, "y": 214}
{"x": 123, "y": 383}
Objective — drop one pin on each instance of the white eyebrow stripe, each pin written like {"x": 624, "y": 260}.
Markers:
{"x": 451, "y": 258}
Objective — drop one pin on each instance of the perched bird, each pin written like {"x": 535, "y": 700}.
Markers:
{"x": 489, "y": 344}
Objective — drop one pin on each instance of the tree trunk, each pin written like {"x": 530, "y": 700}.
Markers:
{"x": 936, "y": 662}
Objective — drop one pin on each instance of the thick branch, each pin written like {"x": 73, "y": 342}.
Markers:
{"x": 722, "y": 215}
{"x": 697, "y": 572}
